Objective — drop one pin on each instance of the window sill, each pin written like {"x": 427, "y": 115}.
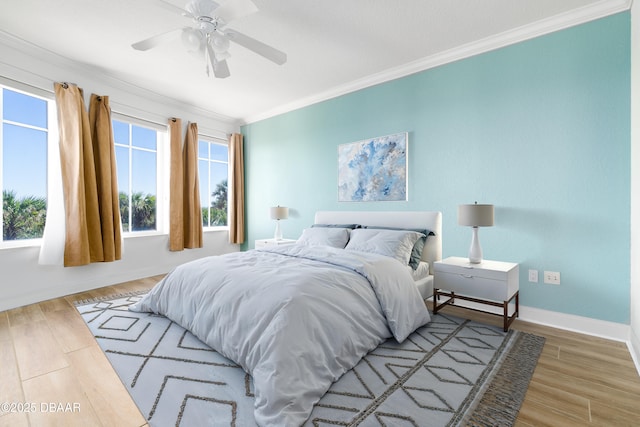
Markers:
{"x": 33, "y": 243}
{"x": 210, "y": 229}
{"x": 16, "y": 244}
{"x": 151, "y": 233}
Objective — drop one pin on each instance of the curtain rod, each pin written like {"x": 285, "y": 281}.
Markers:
{"x": 51, "y": 91}
{"x": 227, "y": 135}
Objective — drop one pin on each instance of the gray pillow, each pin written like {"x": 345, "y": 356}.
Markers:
{"x": 396, "y": 244}
{"x": 328, "y": 236}
{"x": 416, "y": 251}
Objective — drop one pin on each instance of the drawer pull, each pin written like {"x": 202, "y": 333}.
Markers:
{"x": 466, "y": 276}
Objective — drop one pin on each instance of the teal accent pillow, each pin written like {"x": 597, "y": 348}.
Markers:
{"x": 349, "y": 226}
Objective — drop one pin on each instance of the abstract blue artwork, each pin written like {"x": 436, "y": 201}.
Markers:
{"x": 373, "y": 169}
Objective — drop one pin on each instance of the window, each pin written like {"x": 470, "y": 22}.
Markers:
{"x": 213, "y": 172}
{"x": 24, "y": 139}
{"x": 136, "y": 149}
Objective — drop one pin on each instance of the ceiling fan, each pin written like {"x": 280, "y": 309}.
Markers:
{"x": 210, "y": 36}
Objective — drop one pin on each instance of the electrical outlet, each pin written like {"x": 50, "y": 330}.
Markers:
{"x": 552, "y": 277}
{"x": 533, "y": 276}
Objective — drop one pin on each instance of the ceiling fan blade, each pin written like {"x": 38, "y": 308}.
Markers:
{"x": 220, "y": 68}
{"x": 234, "y": 9}
{"x": 154, "y": 41}
{"x": 271, "y": 53}
{"x": 176, "y": 9}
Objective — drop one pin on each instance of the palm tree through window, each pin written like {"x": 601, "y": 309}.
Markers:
{"x": 137, "y": 163}
{"x": 24, "y": 138}
{"x": 213, "y": 172}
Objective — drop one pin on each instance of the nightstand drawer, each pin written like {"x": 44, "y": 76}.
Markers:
{"x": 263, "y": 243}
{"x": 474, "y": 285}
{"x": 486, "y": 269}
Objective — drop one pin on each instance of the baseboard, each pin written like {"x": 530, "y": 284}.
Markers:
{"x": 634, "y": 349}
{"x": 570, "y": 322}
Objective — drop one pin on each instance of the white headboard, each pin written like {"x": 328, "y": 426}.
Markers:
{"x": 431, "y": 220}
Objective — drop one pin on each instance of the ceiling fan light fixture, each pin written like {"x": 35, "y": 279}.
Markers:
{"x": 209, "y": 36}
{"x": 219, "y": 43}
{"x": 192, "y": 39}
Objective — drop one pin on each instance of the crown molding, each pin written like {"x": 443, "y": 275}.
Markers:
{"x": 61, "y": 65}
{"x": 565, "y": 20}
{"x": 555, "y": 23}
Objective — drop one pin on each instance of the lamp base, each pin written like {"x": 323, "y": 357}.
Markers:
{"x": 475, "y": 251}
{"x": 278, "y": 233}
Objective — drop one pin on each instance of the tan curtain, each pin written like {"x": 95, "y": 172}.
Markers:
{"x": 176, "y": 231}
{"x": 191, "y": 204}
{"x": 236, "y": 198}
{"x": 106, "y": 177}
{"x": 83, "y": 241}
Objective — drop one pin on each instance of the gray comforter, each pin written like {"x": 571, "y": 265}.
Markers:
{"x": 295, "y": 317}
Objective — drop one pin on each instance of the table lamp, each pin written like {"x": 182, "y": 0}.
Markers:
{"x": 277, "y": 213}
{"x": 475, "y": 216}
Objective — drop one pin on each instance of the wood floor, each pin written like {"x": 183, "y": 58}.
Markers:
{"x": 50, "y": 361}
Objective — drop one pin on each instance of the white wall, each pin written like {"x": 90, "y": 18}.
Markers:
{"x": 635, "y": 183}
{"x": 22, "y": 280}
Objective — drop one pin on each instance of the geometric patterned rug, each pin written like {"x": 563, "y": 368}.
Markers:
{"x": 449, "y": 372}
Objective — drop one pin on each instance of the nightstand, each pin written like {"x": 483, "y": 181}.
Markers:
{"x": 493, "y": 283}
{"x": 262, "y": 243}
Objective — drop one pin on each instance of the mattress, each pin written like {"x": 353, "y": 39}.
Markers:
{"x": 423, "y": 280}
{"x": 425, "y": 286}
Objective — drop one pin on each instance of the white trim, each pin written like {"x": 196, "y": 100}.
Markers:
{"x": 634, "y": 349}
{"x": 570, "y": 322}
{"x": 517, "y": 35}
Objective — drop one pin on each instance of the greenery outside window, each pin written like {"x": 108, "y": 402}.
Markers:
{"x": 136, "y": 147}
{"x": 25, "y": 135}
{"x": 213, "y": 173}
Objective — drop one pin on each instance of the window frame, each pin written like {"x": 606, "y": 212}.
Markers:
{"x": 52, "y": 144}
{"x": 219, "y": 141}
{"x": 162, "y": 170}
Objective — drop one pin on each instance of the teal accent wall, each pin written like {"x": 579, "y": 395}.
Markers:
{"x": 540, "y": 129}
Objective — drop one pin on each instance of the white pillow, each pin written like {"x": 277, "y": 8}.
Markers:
{"x": 335, "y": 237}
{"x": 392, "y": 243}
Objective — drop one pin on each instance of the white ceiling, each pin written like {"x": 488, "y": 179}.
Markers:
{"x": 333, "y": 46}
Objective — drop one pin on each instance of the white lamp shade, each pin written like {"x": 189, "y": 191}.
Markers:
{"x": 475, "y": 215}
{"x": 279, "y": 212}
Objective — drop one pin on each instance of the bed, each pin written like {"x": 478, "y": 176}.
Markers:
{"x": 297, "y": 317}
